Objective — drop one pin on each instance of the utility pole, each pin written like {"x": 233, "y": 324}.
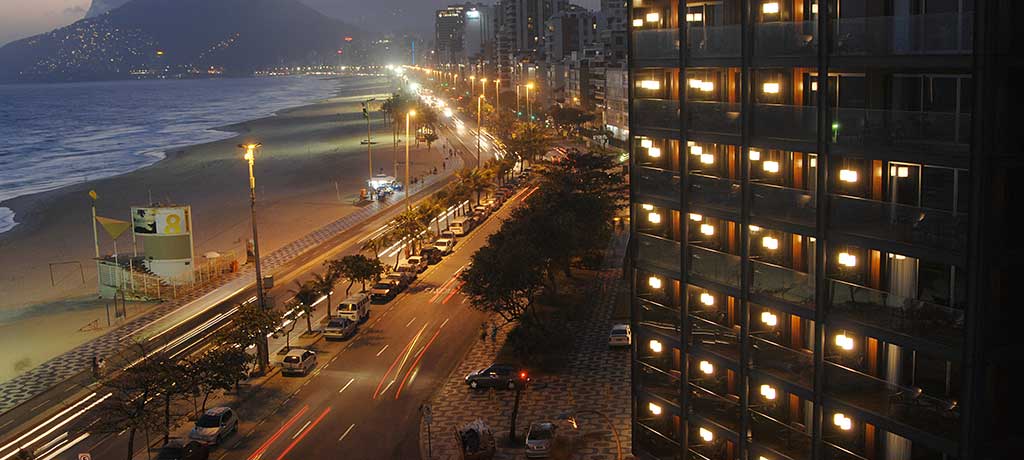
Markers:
{"x": 408, "y": 117}
{"x": 369, "y": 140}
{"x": 261, "y": 346}
{"x": 479, "y": 101}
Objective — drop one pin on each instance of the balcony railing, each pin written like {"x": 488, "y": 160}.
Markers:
{"x": 659, "y": 318}
{"x": 784, "y": 204}
{"x": 723, "y": 410}
{"x": 659, "y": 183}
{"x": 788, "y": 122}
{"x": 655, "y": 445}
{"x": 665, "y": 385}
{"x": 656, "y": 114}
{"x": 888, "y": 311}
{"x": 793, "y": 366}
{"x": 713, "y": 41}
{"x": 945, "y": 33}
{"x": 783, "y": 284}
{"x": 901, "y": 129}
{"x": 659, "y": 252}
{"x": 781, "y": 438}
{"x": 911, "y": 406}
{"x": 786, "y": 39}
{"x": 715, "y": 338}
{"x": 715, "y": 266}
{"x": 660, "y": 45}
{"x": 929, "y": 227}
{"x": 715, "y": 192}
{"x": 713, "y": 117}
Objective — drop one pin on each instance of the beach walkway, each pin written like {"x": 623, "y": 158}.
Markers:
{"x": 74, "y": 365}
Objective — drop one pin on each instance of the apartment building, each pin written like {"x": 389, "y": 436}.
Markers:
{"x": 821, "y": 259}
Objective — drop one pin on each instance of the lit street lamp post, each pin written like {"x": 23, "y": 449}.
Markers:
{"x": 483, "y": 86}
{"x": 497, "y": 96}
{"x": 529, "y": 110}
{"x": 261, "y": 345}
{"x": 519, "y": 109}
{"x": 479, "y": 101}
{"x": 408, "y": 117}
{"x": 472, "y": 85}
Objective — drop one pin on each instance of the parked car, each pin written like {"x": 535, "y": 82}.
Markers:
{"x": 298, "y": 361}
{"x": 355, "y": 308}
{"x": 419, "y": 262}
{"x": 447, "y": 234}
{"x": 431, "y": 255}
{"x": 495, "y": 376}
{"x": 403, "y": 278}
{"x": 539, "y": 439}
{"x": 214, "y": 425}
{"x": 620, "y": 336}
{"x": 481, "y": 211}
{"x": 180, "y": 449}
{"x": 461, "y": 226}
{"x": 385, "y": 290}
{"x": 340, "y": 329}
{"x": 412, "y": 271}
{"x": 445, "y": 245}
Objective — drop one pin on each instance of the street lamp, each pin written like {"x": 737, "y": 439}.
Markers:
{"x": 472, "y": 85}
{"x": 497, "y": 96}
{"x": 408, "y": 116}
{"x": 483, "y": 86}
{"x": 529, "y": 110}
{"x": 518, "y": 108}
{"x": 250, "y": 156}
{"x": 479, "y": 102}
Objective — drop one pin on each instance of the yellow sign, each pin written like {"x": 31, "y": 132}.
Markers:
{"x": 93, "y": 195}
{"x": 113, "y": 227}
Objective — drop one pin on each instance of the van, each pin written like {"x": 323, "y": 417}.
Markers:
{"x": 355, "y": 308}
{"x": 460, "y": 226}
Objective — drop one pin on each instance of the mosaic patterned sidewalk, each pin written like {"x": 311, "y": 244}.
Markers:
{"x": 66, "y": 366}
{"x": 596, "y": 378}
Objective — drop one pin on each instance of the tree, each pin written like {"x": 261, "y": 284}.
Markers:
{"x": 504, "y": 276}
{"x": 324, "y": 285}
{"x": 130, "y": 405}
{"x": 408, "y": 227}
{"x": 306, "y": 296}
{"x": 375, "y": 245}
{"x": 530, "y": 141}
{"x": 428, "y": 211}
{"x": 430, "y": 137}
{"x": 357, "y": 269}
{"x": 570, "y": 119}
{"x": 251, "y": 326}
{"x": 171, "y": 385}
{"x": 475, "y": 180}
{"x": 220, "y": 368}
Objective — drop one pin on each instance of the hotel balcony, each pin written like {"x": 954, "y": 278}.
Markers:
{"x": 659, "y": 183}
{"x": 662, "y": 384}
{"x": 786, "y": 39}
{"x": 723, "y": 411}
{"x": 655, "y": 445}
{"x": 660, "y": 318}
{"x": 931, "y": 228}
{"x": 714, "y": 338}
{"x": 713, "y": 117}
{"x": 713, "y": 42}
{"x": 777, "y": 440}
{"x": 787, "y": 364}
{"x": 901, "y": 130}
{"x": 782, "y": 284}
{"x": 714, "y": 193}
{"x": 785, "y": 122}
{"x": 715, "y": 266}
{"x": 658, "y": 252}
{"x": 890, "y": 312}
{"x": 907, "y": 405}
{"x": 655, "y": 48}
{"x": 923, "y": 34}
{"x": 784, "y": 204}
{"x": 653, "y": 115}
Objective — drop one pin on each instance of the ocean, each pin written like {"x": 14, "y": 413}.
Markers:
{"x": 53, "y": 135}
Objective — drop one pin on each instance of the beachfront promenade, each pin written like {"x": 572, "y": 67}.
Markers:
{"x": 74, "y": 365}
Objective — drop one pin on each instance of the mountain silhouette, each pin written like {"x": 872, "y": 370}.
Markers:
{"x": 181, "y": 37}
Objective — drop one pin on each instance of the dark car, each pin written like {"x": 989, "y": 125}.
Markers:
{"x": 431, "y": 255}
{"x": 495, "y": 376}
{"x": 179, "y": 449}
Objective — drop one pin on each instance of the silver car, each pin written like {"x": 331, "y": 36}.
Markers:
{"x": 540, "y": 439}
{"x": 214, "y": 425}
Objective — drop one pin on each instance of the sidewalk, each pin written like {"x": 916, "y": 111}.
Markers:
{"x": 76, "y": 361}
{"x": 596, "y": 378}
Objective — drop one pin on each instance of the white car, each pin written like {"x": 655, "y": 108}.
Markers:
{"x": 214, "y": 425}
{"x": 445, "y": 245}
{"x": 298, "y": 361}
{"x": 419, "y": 262}
{"x": 620, "y": 336}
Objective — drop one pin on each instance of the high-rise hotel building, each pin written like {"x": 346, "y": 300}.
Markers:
{"x": 823, "y": 248}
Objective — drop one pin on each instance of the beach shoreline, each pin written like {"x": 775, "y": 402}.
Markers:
{"x": 309, "y": 172}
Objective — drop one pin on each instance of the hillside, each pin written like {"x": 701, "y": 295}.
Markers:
{"x": 175, "y": 37}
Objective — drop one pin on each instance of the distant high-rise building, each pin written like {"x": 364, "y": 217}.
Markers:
{"x": 611, "y": 29}
{"x": 824, "y": 264}
{"x": 480, "y": 31}
{"x": 449, "y": 32}
{"x": 572, "y": 29}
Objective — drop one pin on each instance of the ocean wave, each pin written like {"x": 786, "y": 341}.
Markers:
{"x": 61, "y": 134}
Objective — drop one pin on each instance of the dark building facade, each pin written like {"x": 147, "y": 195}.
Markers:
{"x": 822, "y": 255}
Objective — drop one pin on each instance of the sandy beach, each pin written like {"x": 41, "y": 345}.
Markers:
{"x": 308, "y": 173}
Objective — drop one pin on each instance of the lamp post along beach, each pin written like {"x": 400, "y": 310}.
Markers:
{"x": 261, "y": 345}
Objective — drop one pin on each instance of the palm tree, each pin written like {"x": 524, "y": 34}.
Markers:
{"x": 475, "y": 180}
{"x": 530, "y": 141}
{"x": 408, "y": 227}
{"x": 429, "y": 210}
{"x": 376, "y": 244}
{"x": 305, "y": 296}
{"x": 324, "y": 285}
